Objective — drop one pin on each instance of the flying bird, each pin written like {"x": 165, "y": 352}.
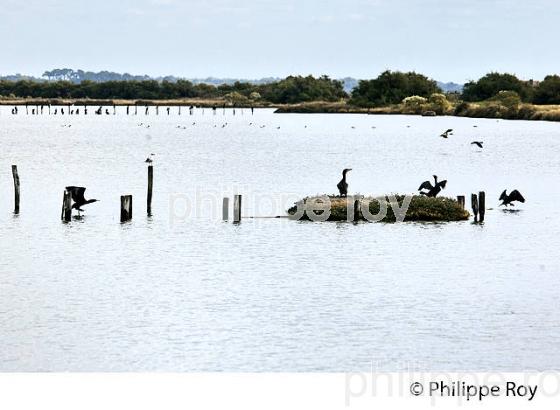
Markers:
{"x": 478, "y": 143}
{"x": 343, "y": 185}
{"x": 447, "y": 133}
{"x": 430, "y": 190}
{"x": 77, "y": 193}
{"x": 514, "y": 195}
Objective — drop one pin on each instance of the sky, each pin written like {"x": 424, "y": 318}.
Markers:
{"x": 448, "y": 40}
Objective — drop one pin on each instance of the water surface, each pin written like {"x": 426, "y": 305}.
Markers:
{"x": 199, "y": 294}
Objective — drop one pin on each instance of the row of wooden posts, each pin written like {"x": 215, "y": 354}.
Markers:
{"x": 37, "y": 111}
{"x": 478, "y": 203}
{"x": 126, "y": 201}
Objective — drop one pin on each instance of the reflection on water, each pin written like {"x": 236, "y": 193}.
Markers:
{"x": 198, "y": 294}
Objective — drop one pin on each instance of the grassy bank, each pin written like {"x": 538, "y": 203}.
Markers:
{"x": 420, "y": 208}
{"x": 485, "y": 109}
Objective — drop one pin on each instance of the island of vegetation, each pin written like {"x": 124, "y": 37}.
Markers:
{"x": 496, "y": 95}
{"x": 421, "y": 208}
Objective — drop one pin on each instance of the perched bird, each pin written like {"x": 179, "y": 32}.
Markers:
{"x": 343, "y": 185}
{"x": 432, "y": 190}
{"x": 150, "y": 159}
{"x": 514, "y": 195}
{"x": 78, "y": 197}
{"x": 478, "y": 143}
{"x": 447, "y": 133}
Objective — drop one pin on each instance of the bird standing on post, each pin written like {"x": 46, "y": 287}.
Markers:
{"x": 343, "y": 185}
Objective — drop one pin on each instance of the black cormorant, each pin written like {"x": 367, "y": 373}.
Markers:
{"x": 478, "y": 143}
{"x": 78, "y": 197}
{"x": 432, "y": 190}
{"x": 514, "y": 195}
{"x": 343, "y": 185}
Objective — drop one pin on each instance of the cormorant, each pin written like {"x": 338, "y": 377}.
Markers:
{"x": 343, "y": 185}
{"x": 478, "y": 143}
{"x": 447, "y": 133}
{"x": 432, "y": 190}
{"x": 78, "y": 197}
{"x": 514, "y": 195}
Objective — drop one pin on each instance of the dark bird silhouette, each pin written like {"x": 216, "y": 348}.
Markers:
{"x": 343, "y": 185}
{"x": 447, "y": 133}
{"x": 514, "y": 195}
{"x": 478, "y": 143}
{"x": 78, "y": 197}
{"x": 432, "y": 190}
{"x": 149, "y": 160}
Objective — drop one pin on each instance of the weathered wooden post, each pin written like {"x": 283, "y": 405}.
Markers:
{"x": 136, "y": 110}
{"x": 157, "y": 109}
{"x": 66, "y": 214}
{"x": 461, "y": 200}
{"x": 114, "y": 109}
{"x": 150, "y": 186}
{"x": 16, "y": 189}
{"x": 225, "y": 209}
{"x": 237, "y": 209}
{"x": 127, "y": 110}
{"x": 126, "y": 208}
{"x": 356, "y": 210}
{"x": 481, "y": 205}
{"x": 179, "y": 110}
{"x": 474, "y": 205}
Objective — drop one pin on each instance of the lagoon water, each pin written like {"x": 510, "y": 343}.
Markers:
{"x": 184, "y": 291}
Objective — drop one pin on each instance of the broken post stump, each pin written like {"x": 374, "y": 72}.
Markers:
{"x": 126, "y": 208}
{"x": 237, "y": 208}
{"x": 356, "y": 210}
{"x": 16, "y": 189}
{"x": 66, "y": 214}
{"x": 481, "y": 205}
{"x": 225, "y": 209}
{"x": 474, "y": 206}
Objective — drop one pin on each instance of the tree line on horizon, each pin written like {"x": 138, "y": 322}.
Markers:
{"x": 390, "y": 87}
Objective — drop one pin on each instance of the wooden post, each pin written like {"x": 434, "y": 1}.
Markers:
{"x": 481, "y": 205}
{"x": 66, "y": 214}
{"x": 225, "y": 209}
{"x": 356, "y": 210}
{"x": 150, "y": 186}
{"x": 474, "y": 205}
{"x": 157, "y": 109}
{"x": 126, "y": 208}
{"x": 16, "y": 189}
{"x": 461, "y": 200}
{"x": 237, "y": 209}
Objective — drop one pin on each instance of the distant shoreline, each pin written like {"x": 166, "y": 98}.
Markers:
{"x": 458, "y": 109}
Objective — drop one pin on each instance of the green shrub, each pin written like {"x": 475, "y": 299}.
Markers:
{"x": 421, "y": 208}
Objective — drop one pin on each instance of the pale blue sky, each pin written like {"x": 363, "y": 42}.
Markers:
{"x": 453, "y": 40}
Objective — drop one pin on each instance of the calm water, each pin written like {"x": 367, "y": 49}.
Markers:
{"x": 197, "y": 294}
